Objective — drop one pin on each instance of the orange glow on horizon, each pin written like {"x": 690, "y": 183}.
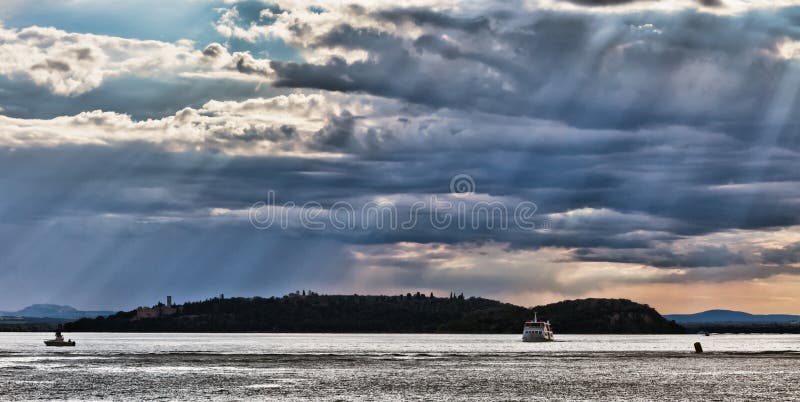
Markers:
{"x": 776, "y": 295}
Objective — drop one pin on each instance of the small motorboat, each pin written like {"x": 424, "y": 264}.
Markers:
{"x": 59, "y": 341}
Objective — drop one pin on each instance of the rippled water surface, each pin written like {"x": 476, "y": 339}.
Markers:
{"x": 394, "y": 366}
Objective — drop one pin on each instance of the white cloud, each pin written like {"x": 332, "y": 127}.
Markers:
{"x": 69, "y": 63}
{"x": 250, "y": 127}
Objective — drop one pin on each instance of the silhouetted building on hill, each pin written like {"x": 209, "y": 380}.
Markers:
{"x": 159, "y": 310}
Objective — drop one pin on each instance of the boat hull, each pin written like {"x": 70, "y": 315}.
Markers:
{"x": 536, "y": 339}
{"x": 59, "y": 343}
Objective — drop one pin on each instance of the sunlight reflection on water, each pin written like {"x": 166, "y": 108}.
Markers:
{"x": 392, "y": 366}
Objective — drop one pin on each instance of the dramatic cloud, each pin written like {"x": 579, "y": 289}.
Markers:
{"x": 656, "y": 139}
{"x": 69, "y": 63}
{"x": 72, "y": 64}
{"x": 587, "y": 69}
{"x": 789, "y": 254}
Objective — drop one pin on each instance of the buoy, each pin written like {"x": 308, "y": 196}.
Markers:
{"x": 698, "y": 348}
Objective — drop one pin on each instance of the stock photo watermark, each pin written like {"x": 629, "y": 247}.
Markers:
{"x": 462, "y": 208}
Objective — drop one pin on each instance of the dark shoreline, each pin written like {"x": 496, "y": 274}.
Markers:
{"x": 410, "y": 313}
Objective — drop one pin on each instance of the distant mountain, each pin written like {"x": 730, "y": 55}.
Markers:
{"x": 408, "y": 313}
{"x": 712, "y": 316}
{"x": 54, "y": 311}
{"x": 30, "y": 324}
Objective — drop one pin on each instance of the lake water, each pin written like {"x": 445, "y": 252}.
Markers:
{"x": 399, "y": 366}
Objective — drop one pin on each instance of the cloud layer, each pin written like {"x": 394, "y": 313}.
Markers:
{"x": 657, "y": 139}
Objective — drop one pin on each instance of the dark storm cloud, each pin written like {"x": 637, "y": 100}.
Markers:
{"x": 630, "y": 70}
{"x": 346, "y": 35}
{"x": 789, "y": 254}
{"x": 339, "y": 133}
{"x": 604, "y": 2}
{"x": 711, "y": 3}
{"x": 625, "y": 199}
{"x": 56, "y": 196}
{"x": 423, "y": 16}
{"x": 601, "y": 3}
{"x": 255, "y": 134}
{"x": 704, "y": 256}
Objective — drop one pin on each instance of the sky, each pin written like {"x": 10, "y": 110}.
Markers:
{"x": 527, "y": 151}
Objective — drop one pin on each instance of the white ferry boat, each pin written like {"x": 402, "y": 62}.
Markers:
{"x": 537, "y": 331}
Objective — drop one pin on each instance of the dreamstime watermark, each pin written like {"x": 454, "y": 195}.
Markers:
{"x": 463, "y": 209}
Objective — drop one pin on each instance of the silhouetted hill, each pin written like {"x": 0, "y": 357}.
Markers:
{"x": 53, "y": 311}
{"x": 612, "y": 316}
{"x": 409, "y": 313}
{"x": 716, "y": 316}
